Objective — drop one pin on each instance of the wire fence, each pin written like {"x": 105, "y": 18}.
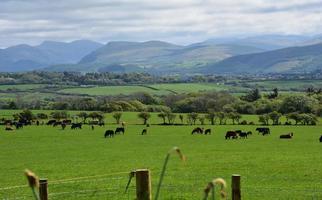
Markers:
{"x": 183, "y": 185}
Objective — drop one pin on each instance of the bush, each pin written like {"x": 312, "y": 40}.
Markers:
{"x": 244, "y": 122}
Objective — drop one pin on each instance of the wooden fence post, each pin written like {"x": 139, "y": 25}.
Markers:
{"x": 235, "y": 187}
{"x": 43, "y": 191}
{"x": 143, "y": 184}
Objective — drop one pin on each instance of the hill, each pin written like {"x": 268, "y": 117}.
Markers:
{"x": 287, "y": 60}
{"x": 25, "y": 57}
{"x": 154, "y": 56}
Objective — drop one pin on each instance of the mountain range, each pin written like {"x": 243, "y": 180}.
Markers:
{"x": 258, "y": 54}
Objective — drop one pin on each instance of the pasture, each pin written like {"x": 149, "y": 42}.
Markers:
{"x": 82, "y": 164}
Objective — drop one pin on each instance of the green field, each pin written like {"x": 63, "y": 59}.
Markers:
{"x": 157, "y": 89}
{"x": 81, "y": 164}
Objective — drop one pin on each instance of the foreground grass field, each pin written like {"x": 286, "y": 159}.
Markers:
{"x": 81, "y": 164}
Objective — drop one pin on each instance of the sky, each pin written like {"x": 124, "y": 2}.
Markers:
{"x": 177, "y": 21}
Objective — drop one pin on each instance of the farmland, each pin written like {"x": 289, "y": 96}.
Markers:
{"x": 270, "y": 168}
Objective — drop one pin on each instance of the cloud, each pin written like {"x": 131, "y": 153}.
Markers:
{"x": 179, "y": 21}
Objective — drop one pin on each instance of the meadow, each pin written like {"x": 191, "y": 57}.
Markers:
{"x": 82, "y": 164}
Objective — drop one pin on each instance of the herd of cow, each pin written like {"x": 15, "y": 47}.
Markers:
{"x": 121, "y": 130}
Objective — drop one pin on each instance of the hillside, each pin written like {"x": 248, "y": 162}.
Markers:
{"x": 25, "y": 58}
{"x": 293, "y": 59}
{"x": 154, "y": 56}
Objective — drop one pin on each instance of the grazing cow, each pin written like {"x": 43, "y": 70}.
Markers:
{"x": 67, "y": 121}
{"x": 76, "y": 125}
{"x": 263, "y": 131}
{"x": 63, "y": 126}
{"x": 243, "y": 135}
{"x": 57, "y": 123}
{"x": 231, "y": 134}
{"x": 144, "y": 131}
{"x": 18, "y": 125}
{"x": 321, "y": 138}
{"x": 119, "y": 130}
{"x": 51, "y": 122}
{"x": 208, "y": 131}
{"x": 109, "y": 133}
{"x": 286, "y": 136}
{"x": 197, "y": 130}
{"x": 9, "y": 128}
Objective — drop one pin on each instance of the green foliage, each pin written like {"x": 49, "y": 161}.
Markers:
{"x": 251, "y": 96}
{"x": 117, "y": 116}
{"x": 145, "y": 116}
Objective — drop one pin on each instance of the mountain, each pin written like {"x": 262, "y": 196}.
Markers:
{"x": 154, "y": 56}
{"x": 267, "y": 42}
{"x": 25, "y": 58}
{"x": 287, "y": 60}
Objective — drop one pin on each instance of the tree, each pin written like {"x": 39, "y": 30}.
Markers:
{"x": 275, "y": 116}
{"x": 162, "y": 115}
{"x": 58, "y": 115}
{"x": 192, "y": 117}
{"x": 26, "y": 115}
{"x": 145, "y": 116}
{"x": 301, "y": 104}
{"x": 181, "y": 118}
{"x": 251, "y": 96}
{"x": 274, "y": 94}
{"x": 221, "y": 116}
{"x": 211, "y": 117}
{"x": 263, "y": 119}
{"x": 202, "y": 120}
{"x": 83, "y": 115}
{"x": 235, "y": 117}
{"x": 171, "y": 117}
{"x": 117, "y": 116}
{"x": 42, "y": 116}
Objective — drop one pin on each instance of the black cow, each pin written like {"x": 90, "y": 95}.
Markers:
{"x": 263, "y": 131}
{"x": 56, "y": 124}
{"x": 243, "y": 135}
{"x": 208, "y": 131}
{"x": 19, "y": 125}
{"x": 321, "y": 138}
{"x": 76, "y": 125}
{"x": 8, "y": 128}
{"x": 109, "y": 133}
{"x": 51, "y": 122}
{"x": 231, "y": 134}
{"x": 197, "y": 130}
{"x": 63, "y": 126}
{"x": 286, "y": 136}
{"x": 144, "y": 131}
{"x": 119, "y": 130}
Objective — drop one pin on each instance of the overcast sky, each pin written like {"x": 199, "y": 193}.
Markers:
{"x": 178, "y": 21}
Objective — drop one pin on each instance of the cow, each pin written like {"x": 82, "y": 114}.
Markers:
{"x": 92, "y": 127}
{"x": 18, "y": 125}
{"x": 51, "y": 122}
{"x": 144, "y": 131}
{"x": 67, "y": 121}
{"x": 8, "y": 128}
{"x": 56, "y": 124}
{"x": 321, "y": 138}
{"x": 109, "y": 133}
{"x": 286, "y": 136}
{"x": 197, "y": 130}
{"x": 208, "y": 131}
{"x": 231, "y": 134}
{"x": 63, "y": 126}
{"x": 119, "y": 130}
{"x": 263, "y": 131}
{"x": 37, "y": 123}
{"x": 243, "y": 135}
{"x": 76, "y": 125}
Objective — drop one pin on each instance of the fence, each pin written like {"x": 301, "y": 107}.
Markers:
{"x": 111, "y": 186}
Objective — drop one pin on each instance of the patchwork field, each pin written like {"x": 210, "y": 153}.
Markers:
{"x": 82, "y": 164}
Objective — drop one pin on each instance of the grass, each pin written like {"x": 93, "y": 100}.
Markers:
{"x": 22, "y": 86}
{"x": 270, "y": 168}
